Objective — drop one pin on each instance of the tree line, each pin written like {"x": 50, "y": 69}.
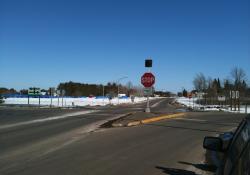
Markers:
{"x": 76, "y": 89}
{"x": 214, "y": 87}
{"x": 82, "y": 89}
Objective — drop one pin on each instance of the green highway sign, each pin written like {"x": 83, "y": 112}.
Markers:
{"x": 34, "y": 91}
{"x": 148, "y": 91}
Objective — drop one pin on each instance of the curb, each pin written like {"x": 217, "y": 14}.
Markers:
{"x": 111, "y": 121}
{"x": 154, "y": 119}
{"x": 135, "y": 123}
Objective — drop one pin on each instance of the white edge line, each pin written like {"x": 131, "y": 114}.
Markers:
{"x": 46, "y": 119}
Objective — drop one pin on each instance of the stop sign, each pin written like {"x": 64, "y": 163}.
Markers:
{"x": 148, "y": 79}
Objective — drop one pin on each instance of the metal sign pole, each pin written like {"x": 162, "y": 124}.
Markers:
{"x": 62, "y": 94}
{"x": 39, "y": 101}
{"x": 148, "y": 108}
{"x": 50, "y": 101}
{"x": 238, "y": 96}
{"x": 231, "y": 101}
{"x": 50, "y": 93}
{"x": 235, "y": 101}
{"x": 239, "y": 104}
{"x": 193, "y": 103}
{"x": 62, "y": 101}
{"x": 58, "y": 101}
{"x": 118, "y": 93}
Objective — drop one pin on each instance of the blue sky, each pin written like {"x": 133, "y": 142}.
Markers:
{"x": 44, "y": 42}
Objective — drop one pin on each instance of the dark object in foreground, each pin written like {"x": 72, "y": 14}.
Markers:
{"x": 230, "y": 152}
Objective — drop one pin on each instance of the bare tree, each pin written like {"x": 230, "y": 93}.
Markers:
{"x": 139, "y": 90}
{"x": 238, "y": 75}
{"x": 129, "y": 87}
{"x": 209, "y": 82}
{"x": 200, "y": 83}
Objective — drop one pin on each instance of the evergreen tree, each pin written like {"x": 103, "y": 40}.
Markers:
{"x": 184, "y": 92}
{"x": 215, "y": 87}
{"x": 218, "y": 86}
{"x": 226, "y": 85}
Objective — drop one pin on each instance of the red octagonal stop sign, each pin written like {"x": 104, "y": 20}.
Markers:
{"x": 148, "y": 79}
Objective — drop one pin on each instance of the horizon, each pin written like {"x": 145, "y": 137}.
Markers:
{"x": 45, "y": 43}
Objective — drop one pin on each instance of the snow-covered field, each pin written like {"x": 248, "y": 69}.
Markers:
{"x": 191, "y": 103}
{"x": 68, "y": 102}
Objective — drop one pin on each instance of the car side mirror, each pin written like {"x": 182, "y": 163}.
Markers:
{"x": 213, "y": 143}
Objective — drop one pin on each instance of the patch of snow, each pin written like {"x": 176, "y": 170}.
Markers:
{"x": 69, "y": 102}
{"x": 191, "y": 103}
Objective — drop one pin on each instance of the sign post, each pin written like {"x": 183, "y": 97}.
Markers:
{"x": 237, "y": 95}
{"x": 235, "y": 99}
{"x": 51, "y": 93}
{"x": 148, "y": 80}
{"x": 58, "y": 92}
{"x": 34, "y": 92}
{"x": 221, "y": 100}
{"x": 62, "y": 94}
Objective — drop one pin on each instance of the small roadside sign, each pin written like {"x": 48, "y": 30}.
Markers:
{"x": 34, "y": 91}
{"x": 221, "y": 98}
{"x": 235, "y": 94}
{"x": 58, "y": 92}
{"x": 148, "y": 91}
{"x": 232, "y": 94}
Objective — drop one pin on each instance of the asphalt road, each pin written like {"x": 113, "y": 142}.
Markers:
{"x": 33, "y": 142}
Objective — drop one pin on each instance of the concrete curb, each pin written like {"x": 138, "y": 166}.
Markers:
{"x": 111, "y": 121}
{"x": 117, "y": 125}
{"x": 154, "y": 119}
{"x": 134, "y": 123}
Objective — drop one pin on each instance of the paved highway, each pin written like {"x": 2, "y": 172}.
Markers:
{"x": 45, "y": 141}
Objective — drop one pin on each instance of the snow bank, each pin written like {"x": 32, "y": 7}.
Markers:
{"x": 68, "y": 101}
{"x": 191, "y": 103}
